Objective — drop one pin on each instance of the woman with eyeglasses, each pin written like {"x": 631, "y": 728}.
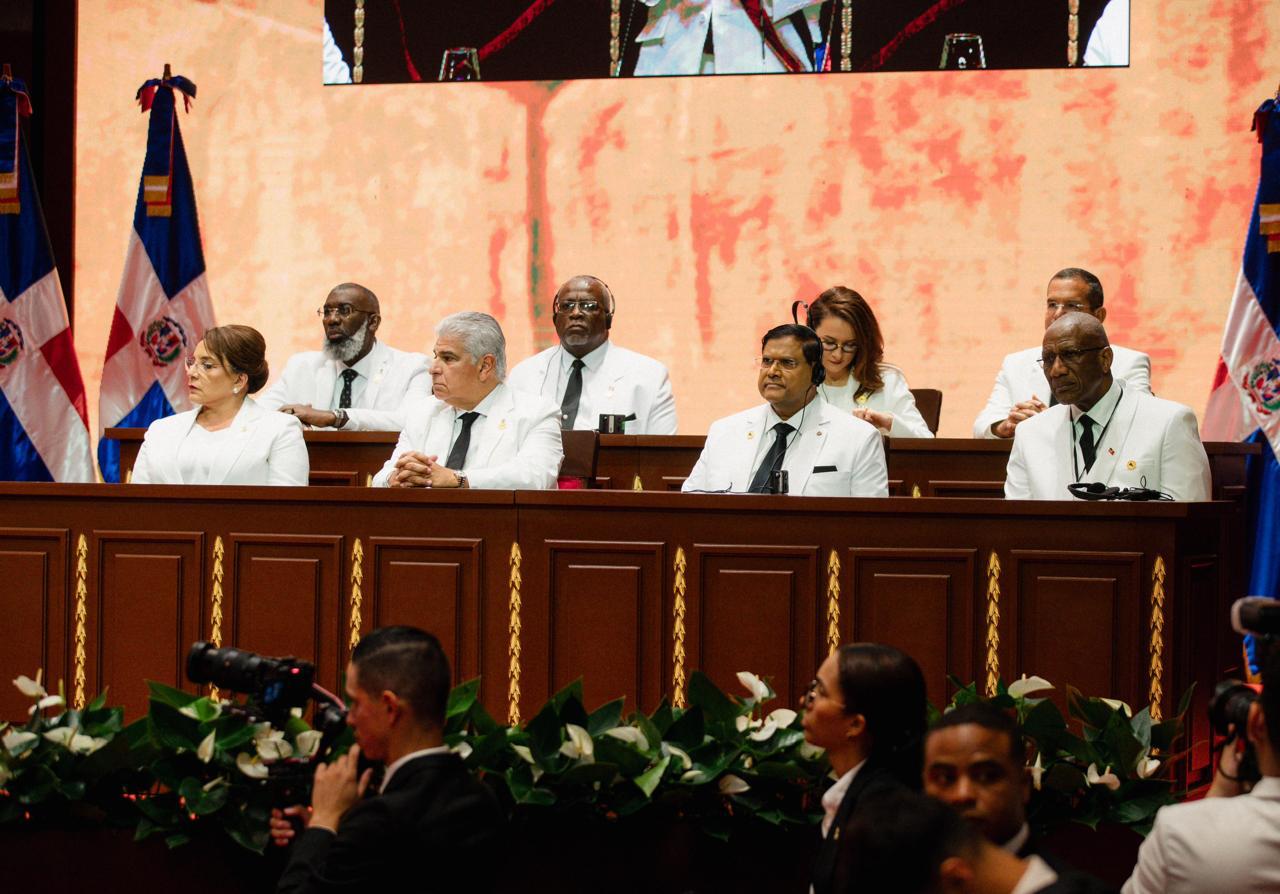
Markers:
{"x": 867, "y": 709}
{"x": 227, "y": 438}
{"x": 857, "y": 378}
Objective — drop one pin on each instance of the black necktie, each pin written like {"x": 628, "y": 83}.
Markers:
{"x": 1088, "y": 449}
{"x": 344, "y": 400}
{"x": 458, "y": 454}
{"x": 572, "y": 394}
{"x": 772, "y": 461}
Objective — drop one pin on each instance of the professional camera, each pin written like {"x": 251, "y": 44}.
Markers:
{"x": 275, "y": 687}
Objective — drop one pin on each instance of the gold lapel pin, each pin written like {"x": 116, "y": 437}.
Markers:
{"x": 502, "y": 425}
{"x": 750, "y": 435}
{"x": 1131, "y": 465}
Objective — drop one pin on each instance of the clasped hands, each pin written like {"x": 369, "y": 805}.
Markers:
{"x": 336, "y": 788}
{"x": 1021, "y": 411}
{"x": 415, "y": 469}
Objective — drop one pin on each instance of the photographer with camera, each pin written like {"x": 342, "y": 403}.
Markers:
{"x": 1223, "y": 843}
{"x": 430, "y": 820}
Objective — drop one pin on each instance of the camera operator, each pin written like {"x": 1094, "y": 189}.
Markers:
{"x": 430, "y": 820}
{"x": 1223, "y": 843}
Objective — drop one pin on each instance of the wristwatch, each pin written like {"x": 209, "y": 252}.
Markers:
{"x": 339, "y": 418}
{"x": 462, "y": 479}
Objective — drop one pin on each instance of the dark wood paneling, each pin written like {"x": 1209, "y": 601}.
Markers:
{"x": 432, "y": 583}
{"x": 287, "y": 598}
{"x": 922, "y": 602}
{"x": 148, "y": 581}
{"x": 34, "y": 568}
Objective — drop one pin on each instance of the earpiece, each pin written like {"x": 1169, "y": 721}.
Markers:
{"x": 819, "y": 373}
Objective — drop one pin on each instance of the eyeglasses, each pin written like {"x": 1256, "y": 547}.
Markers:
{"x": 342, "y": 311}
{"x": 568, "y": 307}
{"x": 205, "y": 366}
{"x": 787, "y": 363}
{"x": 831, "y": 347}
{"x": 1068, "y": 358}
{"x": 815, "y": 690}
{"x": 1072, "y": 306}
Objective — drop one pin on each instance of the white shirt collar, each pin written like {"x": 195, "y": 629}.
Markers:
{"x": 832, "y": 797}
{"x": 1101, "y": 411}
{"x": 391, "y": 770}
{"x": 1037, "y": 877}
{"x": 483, "y": 407}
{"x": 591, "y": 362}
{"x": 1014, "y": 844}
{"x": 363, "y": 366}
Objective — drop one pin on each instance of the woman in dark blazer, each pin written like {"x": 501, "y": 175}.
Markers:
{"x": 866, "y": 707}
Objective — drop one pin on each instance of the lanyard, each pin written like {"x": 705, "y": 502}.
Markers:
{"x": 1075, "y": 467}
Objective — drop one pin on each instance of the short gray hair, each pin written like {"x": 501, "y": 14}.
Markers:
{"x": 480, "y": 335}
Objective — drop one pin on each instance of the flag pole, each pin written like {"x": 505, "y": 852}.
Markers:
{"x": 168, "y": 73}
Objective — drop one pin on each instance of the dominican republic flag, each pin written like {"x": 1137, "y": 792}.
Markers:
{"x": 163, "y": 306}
{"x": 1245, "y": 403}
{"x": 44, "y": 428}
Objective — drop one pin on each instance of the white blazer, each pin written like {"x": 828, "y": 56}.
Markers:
{"x": 832, "y": 455}
{"x": 1021, "y": 376}
{"x": 264, "y": 448}
{"x": 397, "y": 380}
{"x": 672, "y": 39}
{"x": 895, "y": 397}
{"x": 1146, "y": 437}
{"x": 516, "y": 445}
{"x": 625, "y": 383}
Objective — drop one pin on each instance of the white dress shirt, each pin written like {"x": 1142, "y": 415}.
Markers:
{"x": 1037, "y": 877}
{"x": 832, "y": 797}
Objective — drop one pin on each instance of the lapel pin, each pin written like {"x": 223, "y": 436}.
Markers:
{"x": 750, "y": 435}
{"x": 819, "y": 434}
{"x": 1111, "y": 451}
{"x": 502, "y": 425}
{"x": 1131, "y": 465}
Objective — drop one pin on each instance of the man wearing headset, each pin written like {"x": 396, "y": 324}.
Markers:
{"x": 588, "y": 376}
{"x": 824, "y": 452}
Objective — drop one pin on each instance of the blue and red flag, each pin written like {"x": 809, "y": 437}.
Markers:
{"x": 163, "y": 305}
{"x": 44, "y": 428}
{"x": 1245, "y": 403}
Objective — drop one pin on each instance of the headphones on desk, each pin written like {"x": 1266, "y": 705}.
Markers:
{"x": 1096, "y": 490}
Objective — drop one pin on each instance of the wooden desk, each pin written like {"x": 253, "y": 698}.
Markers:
{"x": 630, "y": 591}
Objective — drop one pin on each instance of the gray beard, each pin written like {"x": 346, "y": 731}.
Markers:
{"x": 347, "y": 349}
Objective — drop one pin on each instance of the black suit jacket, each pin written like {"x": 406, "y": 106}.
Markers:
{"x": 434, "y": 828}
{"x": 871, "y": 778}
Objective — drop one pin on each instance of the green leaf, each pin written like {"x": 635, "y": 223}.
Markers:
{"x": 145, "y": 829}
{"x": 1138, "y": 810}
{"x": 1141, "y": 726}
{"x": 167, "y": 695}
{"x": 651, "y": 733}
{"x": 607, "y": 716}
{"x": 688, "y": 730}
{"x": 663, "y": 717}
{"x": 721, "y": 711}
{"x": 211, "y": 801}
{"x": 571, "y": 692}
{"x": 98, "y": 701}
{"x": 649, "y": 779}
{"x": 251, "y": 841}
{"x": 545, "y": 734}
{"x": 462, "y": 697}
{"x": 630, "y": 762}
{"x": 172, "y": 729}
{"x": 589, "y": 774}
{"x": 177, "y": 840}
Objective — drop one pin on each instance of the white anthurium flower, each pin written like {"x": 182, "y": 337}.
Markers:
{"x": 82, "y": 744}
{"x": 629, "y": 734}
{"x": 462, "y": 750}
{"x": 1148, "y": 766}
{"x": 680, "y": 754}
{"x": 1107, "y": 778}
{"x": 251, "y": 766}
{"x": 1118, "y": 705}
{"x": 307, "y": 743}
{"x": 265, "y": 731}
{"x": 61, "y": 736}
{"x": 692, "y": 776}
{"x": 214, "y": 783}
{"x": 205, "y": 751}
{"x": 1037, "y": 772}
{"x": 783, "y": 717}
{"x": 18, "y": 741}
{"x": 295, "y": 712}
{"x": 524, "y": 752}
{"x": 272, "y": 748}
{"x": 1027, "y": 685}
{"x": 757, "y": 687}
{"x": 49, "y": 701}
{"x": 764, "y": 732}
{"x": 745, "y": 722}
{"x": 809, "y": 751}
{"x": 733, "y": 785}
{"x": 579, "y": 745}
{"x": 190, "y": 710}
{"x": 29, "y": 687}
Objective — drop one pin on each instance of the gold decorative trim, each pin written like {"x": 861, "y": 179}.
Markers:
{"x": 368, "y": 479}
{"x": 993, "y": 624}
{"x": 637, "y": 484}
{"x": 1073, "y": 33}
{"x": 615, "y": 46}
{"x": 82, "y": 618}
{"x": 1158, "y": 574}
{"x": 846, "y": 35}
{"x": 915, "y": 492}
{"x": 357, "y": 597}
{"x": 677, "y": 632}
{"x": 215, "y": 610}
{"x": 513, "y": 647}
{"x": 357, "y": 73}
{"x": 833, "y": 602}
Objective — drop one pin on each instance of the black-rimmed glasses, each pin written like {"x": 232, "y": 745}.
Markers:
{"x": 1069, "y": 358}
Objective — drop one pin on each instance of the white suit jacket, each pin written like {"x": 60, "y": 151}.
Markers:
{"x": 1021, "y": 376}
{"x": 265, "y": 448}
{"x": 1215, "y": 844}
{"x": 625, "y": 383}
{"x": 895, "y": 397}
{"x": 671, "y": 41}
{"x": 1146, "y": 437}
{"x": 397, "y": 381}
{"x": 516, "y": 446}
{"x": 833, "y": 455}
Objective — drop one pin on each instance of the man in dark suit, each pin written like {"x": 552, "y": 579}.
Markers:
{"x": 430, "y": 820}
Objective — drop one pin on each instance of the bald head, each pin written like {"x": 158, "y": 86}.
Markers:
{"x": 1077, "y": 359}
{"x": 582, "y": 313}
{"x": 357, "y": 296}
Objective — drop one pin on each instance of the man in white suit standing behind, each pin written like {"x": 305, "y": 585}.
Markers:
{"x": 1021, "y": 390}
{"x": 478, "y": 432}
{"x": 355, "y": 382}
{"x": 1100, "y": 430}
{"x": 825, "y": 452}
{"x": 691, "y": 37}
{"x": 588, "y": 375}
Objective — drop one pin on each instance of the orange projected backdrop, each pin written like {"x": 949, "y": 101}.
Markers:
{"x": 708, "y": 204}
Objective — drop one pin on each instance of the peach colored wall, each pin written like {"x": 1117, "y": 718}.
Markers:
{"x": 707, "y": 204}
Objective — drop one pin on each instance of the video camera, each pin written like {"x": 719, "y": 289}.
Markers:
{"x": 1258, "y": 617}
{"x": 275, "y": 687}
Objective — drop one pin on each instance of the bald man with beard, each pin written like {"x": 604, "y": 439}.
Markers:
{"x": 1100, "y": 431}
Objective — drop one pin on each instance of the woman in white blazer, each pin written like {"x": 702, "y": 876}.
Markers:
{"x": 858, "y": 380}
{"x": 227, "y": 438}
